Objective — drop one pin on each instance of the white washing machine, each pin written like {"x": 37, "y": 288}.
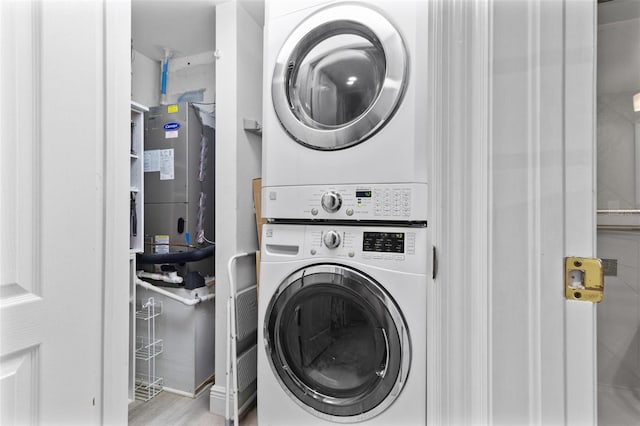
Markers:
{"x": 342, "y": 324}
{"x": 345, "y": 109}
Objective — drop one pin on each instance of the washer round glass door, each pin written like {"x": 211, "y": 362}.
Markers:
{"x": 338, "y": 80}
{"x": 337, "y": 343}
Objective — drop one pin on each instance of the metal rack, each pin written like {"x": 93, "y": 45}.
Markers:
{"x": 148, "y": 348}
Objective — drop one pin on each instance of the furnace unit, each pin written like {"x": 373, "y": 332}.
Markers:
{"x": 179, "y": 189}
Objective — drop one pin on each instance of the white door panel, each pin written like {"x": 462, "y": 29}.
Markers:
{"x": 52, "y": 221}
{"x": 18, "y": 388}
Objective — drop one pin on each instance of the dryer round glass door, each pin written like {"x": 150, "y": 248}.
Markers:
{"x": 338, "y": 80}
{"x": 337, "y": 343}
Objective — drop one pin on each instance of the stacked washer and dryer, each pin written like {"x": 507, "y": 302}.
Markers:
{"x": 346, "y": 254}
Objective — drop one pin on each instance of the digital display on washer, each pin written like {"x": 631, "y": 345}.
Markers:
{"x": 383, "y": 242}
{"x": 363, "y": 194}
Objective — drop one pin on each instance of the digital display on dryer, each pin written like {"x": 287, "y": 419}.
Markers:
{"x": 383, "y": 242}
{"x": 363, "y": 194}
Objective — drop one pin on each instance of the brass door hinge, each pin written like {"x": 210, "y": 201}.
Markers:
{"x": 583, "y": 279}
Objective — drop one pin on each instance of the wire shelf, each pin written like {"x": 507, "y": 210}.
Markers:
{"x": 147, "y": 310}
{"x": 147, "y": 348}
{"x": 147, "y": 387}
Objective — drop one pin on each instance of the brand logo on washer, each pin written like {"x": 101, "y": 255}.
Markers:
{"x": 171, "y": 126}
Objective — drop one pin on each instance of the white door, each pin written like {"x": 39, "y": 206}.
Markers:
{"x": 515, "y": 178}
{"x": 57, "y": 362}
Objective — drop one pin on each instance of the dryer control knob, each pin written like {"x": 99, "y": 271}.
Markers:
{"x": 331, "y": 239}
{"x": 331, "y": 201}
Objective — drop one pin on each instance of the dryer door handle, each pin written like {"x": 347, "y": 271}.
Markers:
{"x": 287, "y": 83}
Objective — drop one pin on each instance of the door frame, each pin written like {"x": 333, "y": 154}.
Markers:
{"x": 116, "y": 274}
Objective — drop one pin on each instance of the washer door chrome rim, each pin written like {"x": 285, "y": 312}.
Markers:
{"x": 357, "y": 21}
{"x": 322, "y": 370}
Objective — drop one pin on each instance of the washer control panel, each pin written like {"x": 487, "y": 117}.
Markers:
{"x": 391, "y": 202}
{"x": 405, "y": 248}
{"x": 393, "y": 244}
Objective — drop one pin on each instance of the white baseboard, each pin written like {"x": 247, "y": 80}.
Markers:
{"x": 217, "y": 401}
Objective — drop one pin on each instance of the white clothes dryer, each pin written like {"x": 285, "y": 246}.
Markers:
{"x": 342, "y": 323}
{"x": 345, "y": 109}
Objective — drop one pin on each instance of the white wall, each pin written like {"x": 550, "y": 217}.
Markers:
{"x": 186, "y": 73}
{"x": 619, "y": 312}
{"x": 618, "y": 81}
{"x": 145, "y": 79}
{"x": 238, "y": 161}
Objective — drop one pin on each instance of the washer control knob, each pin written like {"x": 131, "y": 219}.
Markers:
{"x": 331, "y": 201}
{"x": 331, "y": 239}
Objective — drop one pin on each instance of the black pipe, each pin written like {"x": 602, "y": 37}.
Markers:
{"x": 179, "y": 257}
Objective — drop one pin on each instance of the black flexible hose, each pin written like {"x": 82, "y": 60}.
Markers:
{"x": 179, "y": 257}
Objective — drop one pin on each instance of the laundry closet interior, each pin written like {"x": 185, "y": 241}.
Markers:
{"x": 194, "y": 76}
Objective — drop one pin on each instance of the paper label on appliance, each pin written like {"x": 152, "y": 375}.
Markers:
{"x": 171, "y": 134}
{"x": 171, "y": 109}
{"x": 161, "y": 244}
{"x": 160, "y": 160}
{"x": 166, "y": 164}
{"x": 152, "y": 160}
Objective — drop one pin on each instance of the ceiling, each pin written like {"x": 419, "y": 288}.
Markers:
{"x": 186, "y": 27}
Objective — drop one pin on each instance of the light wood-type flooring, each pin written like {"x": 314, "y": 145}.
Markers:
{"x": 168, "y": 409}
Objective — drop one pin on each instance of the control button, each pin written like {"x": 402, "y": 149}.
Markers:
{"x": 331, "y": 201}
{"x": 388, "y": 257}
{"x": 331, "y": 239}
{"x": 398, "y": 257}
{"x": 366, "y": 256}
{"x": 314, "y": 211}
{"x": 272, "y": 195}
{"x": 351, "y": 254}
{"x": 313, "y": 252}
{"x": 377, "y": 256}
{"x": 349, "y": 212}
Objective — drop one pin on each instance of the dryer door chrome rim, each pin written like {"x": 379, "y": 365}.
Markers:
{"x": 337, "y": 343}
{"x": 339, "y": 77}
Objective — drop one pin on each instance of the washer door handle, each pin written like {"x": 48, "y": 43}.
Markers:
{"x": 383, "y": 372}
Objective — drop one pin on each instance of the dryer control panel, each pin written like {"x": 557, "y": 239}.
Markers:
{"x": 376, "y": 202}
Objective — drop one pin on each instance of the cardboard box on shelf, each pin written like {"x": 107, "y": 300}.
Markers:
{"x": 258, "y": 269}
{"x": 257, "y": 203}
